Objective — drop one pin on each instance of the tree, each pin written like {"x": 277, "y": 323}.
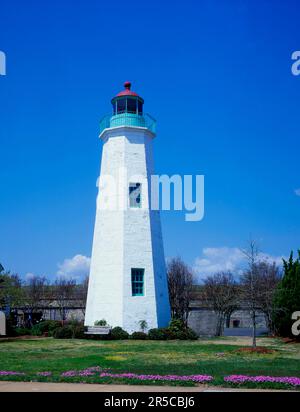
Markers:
{"x": 143, "y": 325}
{"x": 287, "y": 296}
{"x": 258, "y": 284}
{"x": 11, "y": 292}
{"x": 250, "y": 285}
{"x": 221, "y": 293}
{"x": 180, "y": 283}
{"x": 268, "y": 277}
{"x": 63, "y": 292}
{"x": 82, "y": 293}
{"x": 35, "y": 291}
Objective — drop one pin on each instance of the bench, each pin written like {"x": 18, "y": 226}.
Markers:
{"x": 98, "y": 330}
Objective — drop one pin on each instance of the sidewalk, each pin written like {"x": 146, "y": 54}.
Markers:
{"x": 84, "y": 387}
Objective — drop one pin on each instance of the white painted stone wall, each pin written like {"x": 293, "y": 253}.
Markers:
{"x": 125, "y": 239}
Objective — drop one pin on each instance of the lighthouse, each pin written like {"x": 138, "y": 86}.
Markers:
{"x": 128, "y": 281}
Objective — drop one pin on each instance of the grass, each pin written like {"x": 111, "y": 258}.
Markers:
{"x": 216, "y": 357}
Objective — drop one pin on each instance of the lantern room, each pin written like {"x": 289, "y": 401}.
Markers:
{"x": 127, "y": 101}
{"x": 127, "y": 111}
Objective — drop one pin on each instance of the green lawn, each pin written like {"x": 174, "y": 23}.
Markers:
{"x": 216, "y": 357}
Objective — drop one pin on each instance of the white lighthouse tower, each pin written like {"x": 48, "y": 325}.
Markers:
{"x": 128, "y": 282}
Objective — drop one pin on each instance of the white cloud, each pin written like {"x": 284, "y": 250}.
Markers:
{"x": 218, "y": 259}
{"x": 297, "y": 192}
{"x": 75, "y": 267}
{"x": 29, "y": 276}
{"x": 271, "y": 258}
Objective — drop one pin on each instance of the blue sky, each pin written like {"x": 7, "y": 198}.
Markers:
{"x": 217, "y": 77}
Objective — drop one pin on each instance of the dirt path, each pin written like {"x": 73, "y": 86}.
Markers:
{"x": 83, "y": 387}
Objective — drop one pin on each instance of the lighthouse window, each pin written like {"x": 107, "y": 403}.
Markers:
{"x": 121, "y": 105}
{"x": 131, "y": 105}
{"x": 135, "y": 194}
{"x": 140, "y": 107}
{"x": 137, "y": 282}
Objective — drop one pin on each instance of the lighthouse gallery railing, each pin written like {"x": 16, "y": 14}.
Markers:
{"x": 128, "y": 119}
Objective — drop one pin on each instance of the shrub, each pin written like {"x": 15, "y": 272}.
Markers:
{"x": 64, "y": 332}
{"x": 10, "y": 326}
{"x": 76, "y": 327}
{"x": 98, "y": 337}
{"x": 22, "y": 331}
{"x": 177, "y": 325}
{"x": 101, "y": 322}
{"x": 169, "y": 334}
{"x": 78, "y": 332}
{"x": 181, "y": 335}
{"x": 45, "y": 326}
{"x": 52, "y": 326}
{"x": 139, "y": 336}
{"x": 190, "y": 334}
{"x": 157, "y": 334}
{"x": 72, "y": 329}
{"x": 118, "y": 333}
{"x": 36, "y": 330}
{"x": 287, "y": 297}
{"x": 162, "y": 334}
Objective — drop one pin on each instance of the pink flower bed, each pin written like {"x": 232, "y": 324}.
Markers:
{"x": 44, "y": 373}
{"x": 84, "y": 372}
{"x": 171, "y": 378}
{"x": 239, "y": 379}
{"x": 235, "y": 379}
{"x": 69, "y": 374}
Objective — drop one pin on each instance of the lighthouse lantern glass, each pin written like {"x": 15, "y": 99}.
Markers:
{"x": 131, "y": 105}
{"x": 127, "y": 104}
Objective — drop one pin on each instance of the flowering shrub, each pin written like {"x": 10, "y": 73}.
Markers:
{"x": 69, "y": 374}
{"x": 84, "y": 372}
{"x": 239, "y": 379}
{"x": 44, "y": 373}
{"x": 97, "y": 371}
{"x": 171, "y": 378}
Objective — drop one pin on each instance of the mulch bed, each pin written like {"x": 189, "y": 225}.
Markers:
{"x": 23, "y": 337}
{"x": 258, "y": 349}
{"x": 290, "y": 340}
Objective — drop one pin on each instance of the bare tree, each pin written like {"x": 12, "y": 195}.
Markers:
{"x": 221, "y": 293}
{"x": 180, "y": 283}
{"x": 63, "y": 292}
{"x": 268, "y": 276}
{"x": 83, "y": 289}
{"x": 250, "y": 284}
{"x": 35, "y": 294}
